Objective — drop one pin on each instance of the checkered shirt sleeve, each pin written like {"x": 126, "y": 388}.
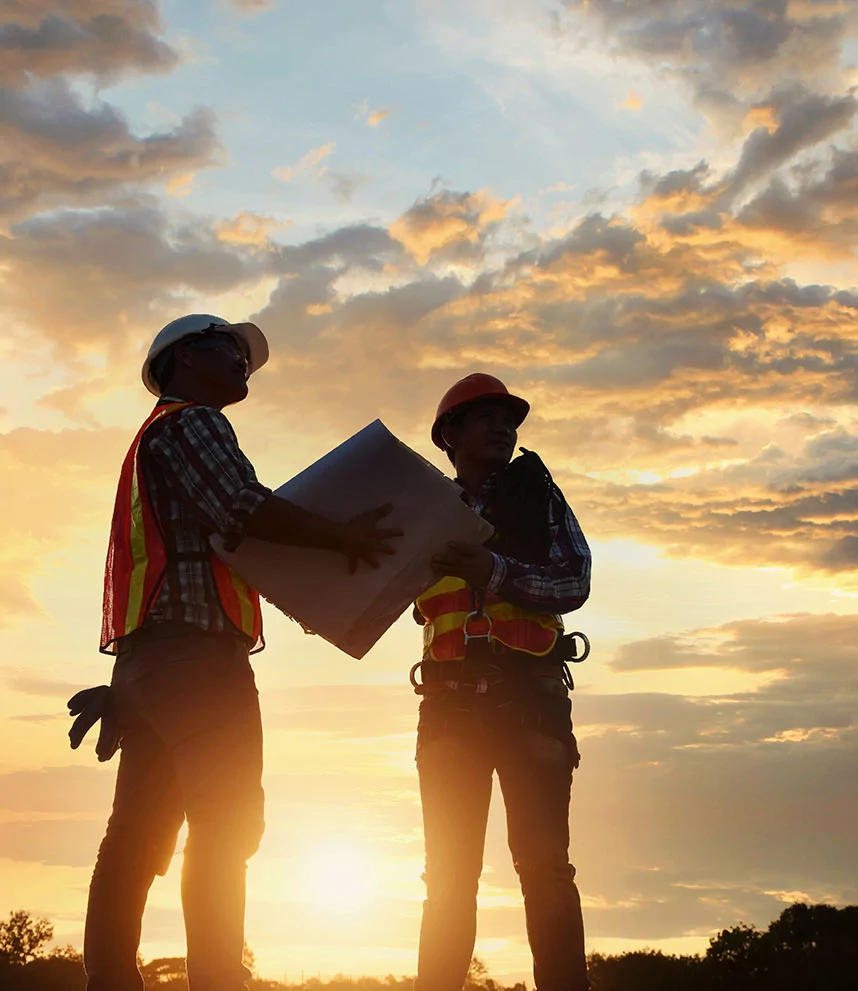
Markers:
{"x": 562, "y": 585}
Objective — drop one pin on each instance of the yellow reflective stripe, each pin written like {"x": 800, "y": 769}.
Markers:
{"x": 442, "y": 587}
{"x": 534, "y": 653}
{"x": 500, "y": 612}
{"x": 137, "y": 536}
{"x": 139, "y": 555}
{"x": 448, "y": 622}
{"x": 244, "y": 603}
{"x": 505, "y": 611}
{"x": 448, "y": 583}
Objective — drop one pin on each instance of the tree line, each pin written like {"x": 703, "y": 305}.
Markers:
{"x": 807, "y": 948}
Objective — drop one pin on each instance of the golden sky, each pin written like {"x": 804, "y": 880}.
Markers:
{"x": 644, "y": 218}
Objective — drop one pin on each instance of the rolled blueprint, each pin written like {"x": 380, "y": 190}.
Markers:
{"x": 314, "y": 586}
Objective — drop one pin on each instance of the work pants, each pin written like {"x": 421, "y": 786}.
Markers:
{"x": 524, "y": 733}
{"x": 188, "y": 711}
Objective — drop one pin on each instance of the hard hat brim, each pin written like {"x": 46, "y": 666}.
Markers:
{"x": 253, "y": 338}
{"x": 519, "y": 405}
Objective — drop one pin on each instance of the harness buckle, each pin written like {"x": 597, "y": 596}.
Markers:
{"x": 475, "y": 614}
{"x": 570, "y": 639}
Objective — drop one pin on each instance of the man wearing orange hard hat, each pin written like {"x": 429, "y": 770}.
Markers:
{"x": 182, "y": 704}
{"x": 495, "y": 686}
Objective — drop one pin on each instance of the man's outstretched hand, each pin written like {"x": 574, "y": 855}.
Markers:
{"x": 472, "y": 563}
{"x": 89, "y": 706}
{"x": 364, "y": 540}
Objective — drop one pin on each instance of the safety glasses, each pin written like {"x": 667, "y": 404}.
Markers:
{"x": 218, "y": 340}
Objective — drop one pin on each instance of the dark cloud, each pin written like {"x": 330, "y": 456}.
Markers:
{"x": 818, "y": 207}
{"x": 601, "y": 237}
{"x": 804, "y": 120}
{"x": 732, "y": 45}
{"x": 104, "y": 44}
{"x": 54, "y": 149}
{"x": 794, "y": 510}
{"x": 128, "y": 267}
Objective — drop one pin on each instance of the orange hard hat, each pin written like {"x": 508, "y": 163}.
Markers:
{"x": 468, "y": 390}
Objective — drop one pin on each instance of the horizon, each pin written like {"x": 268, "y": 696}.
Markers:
{"x": 644, "y": 220}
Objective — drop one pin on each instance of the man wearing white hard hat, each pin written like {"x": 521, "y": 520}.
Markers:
{"x": 182, "y": 704}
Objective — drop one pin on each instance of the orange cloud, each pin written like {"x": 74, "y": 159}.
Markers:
{"x": 632, "y": 101}
{"x": 249, "y": 228}
{"x": 180, "y": 185}
{"x": 448, "y": 224}
{"x": 377, "y": 116}
{"x": 310, "y": 164}
{"x": 372, "y": 117}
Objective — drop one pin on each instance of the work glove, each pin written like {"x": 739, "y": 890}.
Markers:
{"x": 89, "y": 706}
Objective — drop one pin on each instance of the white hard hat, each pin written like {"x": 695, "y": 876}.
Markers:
{"x": 199, "y": 323}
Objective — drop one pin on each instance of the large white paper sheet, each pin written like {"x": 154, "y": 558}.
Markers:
{"x": 313, "y": 586}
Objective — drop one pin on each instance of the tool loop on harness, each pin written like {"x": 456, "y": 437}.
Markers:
{"x": 570, "y": 638}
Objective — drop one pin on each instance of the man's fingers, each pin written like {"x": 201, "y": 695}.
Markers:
{"x": 82, "y": 725}
{"x": 108, "y": 738}
{"x": 389, "y": 534}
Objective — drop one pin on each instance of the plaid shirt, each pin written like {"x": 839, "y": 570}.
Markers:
{"x": 559, "y": 587}
{"x": 199, "y": 483}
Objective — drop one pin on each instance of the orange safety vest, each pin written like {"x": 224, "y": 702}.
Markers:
{"x": 137, "y": 559}
{"x": 451, "y": 609}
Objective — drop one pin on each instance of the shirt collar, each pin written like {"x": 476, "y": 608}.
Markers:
{"x": 479, "y": 501}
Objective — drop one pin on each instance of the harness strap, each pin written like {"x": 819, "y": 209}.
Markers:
{"x": 443, "y": 676}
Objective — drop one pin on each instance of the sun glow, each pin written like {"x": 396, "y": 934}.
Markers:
{"x": 340, "y": 878}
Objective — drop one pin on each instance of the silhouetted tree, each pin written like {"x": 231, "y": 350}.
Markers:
{"x": 644, "y": 970}
{"x": 738, "y": 957}
{"x": 165, "y": 974}
{"x": 808, "y": 947}
{"x": 22, "y": 937}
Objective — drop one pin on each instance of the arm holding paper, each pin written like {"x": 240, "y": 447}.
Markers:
{"x": 280, "y": 521}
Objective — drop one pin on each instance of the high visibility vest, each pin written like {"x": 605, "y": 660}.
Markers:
{"x": 451, "y": 609}
{"x": 137, "y": 559}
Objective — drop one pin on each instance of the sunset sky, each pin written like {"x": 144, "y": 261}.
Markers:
{"x": 644, "y": 217}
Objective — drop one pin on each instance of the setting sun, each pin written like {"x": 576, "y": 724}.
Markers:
{"x": 340, "y": 878}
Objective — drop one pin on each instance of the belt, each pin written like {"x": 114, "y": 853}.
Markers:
{"x": 488, "y": 662}
{"x": 173, "y": 628}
